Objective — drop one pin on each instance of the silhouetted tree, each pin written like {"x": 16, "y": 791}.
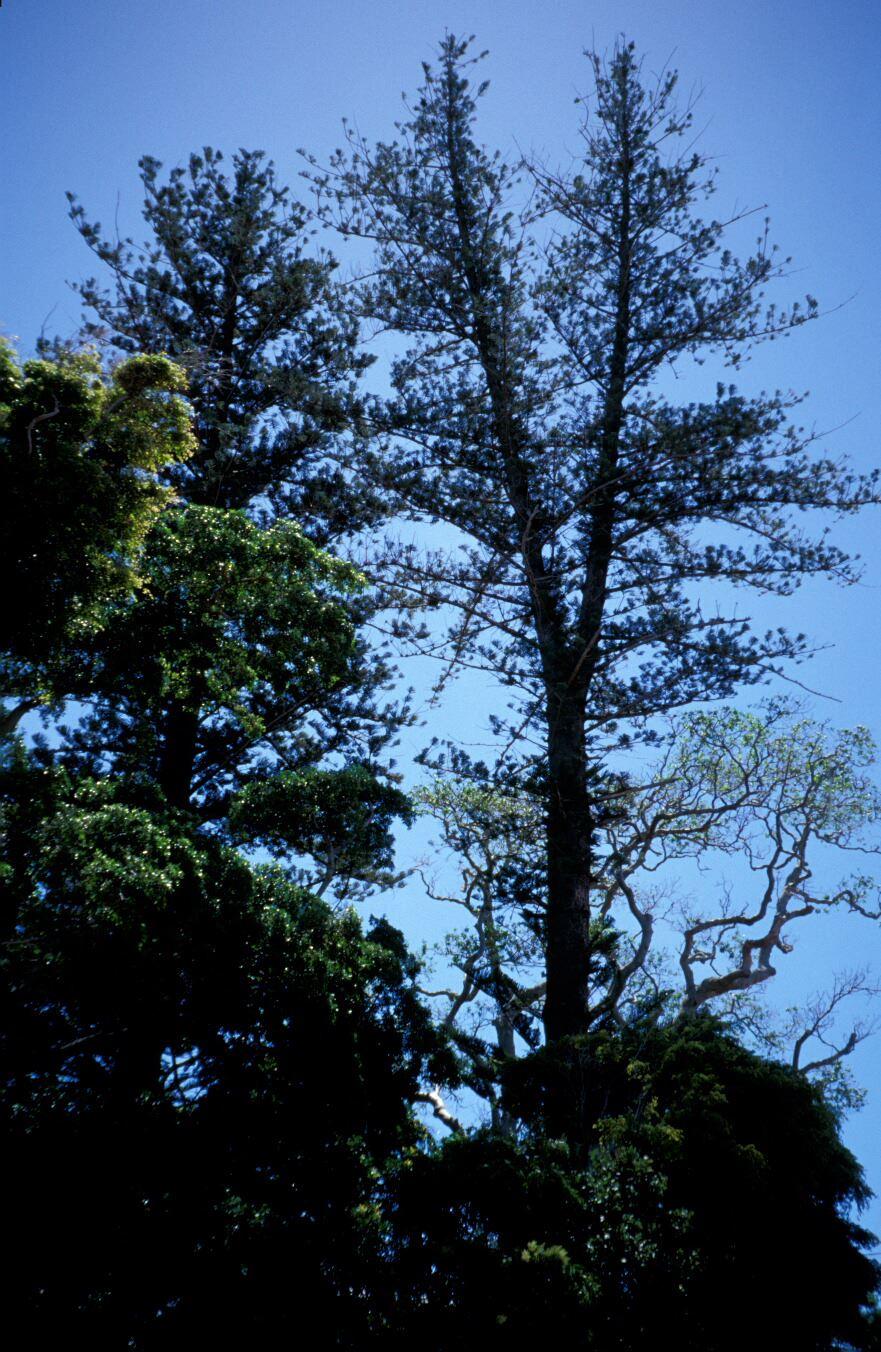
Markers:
{"x": 532, "y": 414}
{"x": 224, "y": 286}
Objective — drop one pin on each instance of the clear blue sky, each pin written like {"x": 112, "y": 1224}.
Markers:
{"x": 791, "y": 111}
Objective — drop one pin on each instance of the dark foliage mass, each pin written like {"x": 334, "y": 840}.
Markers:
{"x": 215, "y": 1077}
{"x": 204, "y": 1071}
{"x": 654, "y": 1175}
{"x": 224, "y": 287}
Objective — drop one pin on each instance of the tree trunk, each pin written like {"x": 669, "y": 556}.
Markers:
{"x": 569, "y": 839}
{"x": 178, "y": 754}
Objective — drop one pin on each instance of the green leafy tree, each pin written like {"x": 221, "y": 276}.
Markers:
{"x": 500, "y": 1239}
{"x": 204, "y": 1073}
{"x": 80, "y": 456}
{"x": 659, "y": 1178}
{"x": 532, "y": 414}
{"x": 236, "y": 668}
{"x": 207, "y": 1072}
{"x": 713, "y": 860}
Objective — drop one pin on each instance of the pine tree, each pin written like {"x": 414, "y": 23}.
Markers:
{"x": 224, "y": 285}
{"x": 532, "y": 414}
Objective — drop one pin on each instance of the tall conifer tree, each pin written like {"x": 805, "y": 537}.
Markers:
{"x": 225, "y": 286}
{"x": 532, "y": 412}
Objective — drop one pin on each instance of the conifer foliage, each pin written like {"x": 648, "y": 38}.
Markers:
{"x": 225, "y": 286}
{"x": 540, "y": 314}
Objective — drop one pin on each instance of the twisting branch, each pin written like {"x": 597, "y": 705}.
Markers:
{"x": 440, "y": 1110}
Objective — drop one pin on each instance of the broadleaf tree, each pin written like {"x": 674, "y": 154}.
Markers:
{"x": 716, "y": 858}
{"x": 80, "y": 460}
{"x": 206, "y": 1071}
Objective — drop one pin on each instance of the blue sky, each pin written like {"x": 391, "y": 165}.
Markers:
{"x": 790, "y": 110}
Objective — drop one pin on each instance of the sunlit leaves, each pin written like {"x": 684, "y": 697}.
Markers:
{"x": 79, "y": 457}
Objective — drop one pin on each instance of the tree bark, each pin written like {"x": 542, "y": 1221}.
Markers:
{"x": 569, "y": 840}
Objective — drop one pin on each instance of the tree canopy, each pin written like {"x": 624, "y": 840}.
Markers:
{"x": 88, "y": 450}
{"x": 220, "y": 1075}
{"x": 206, "y": 1071}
